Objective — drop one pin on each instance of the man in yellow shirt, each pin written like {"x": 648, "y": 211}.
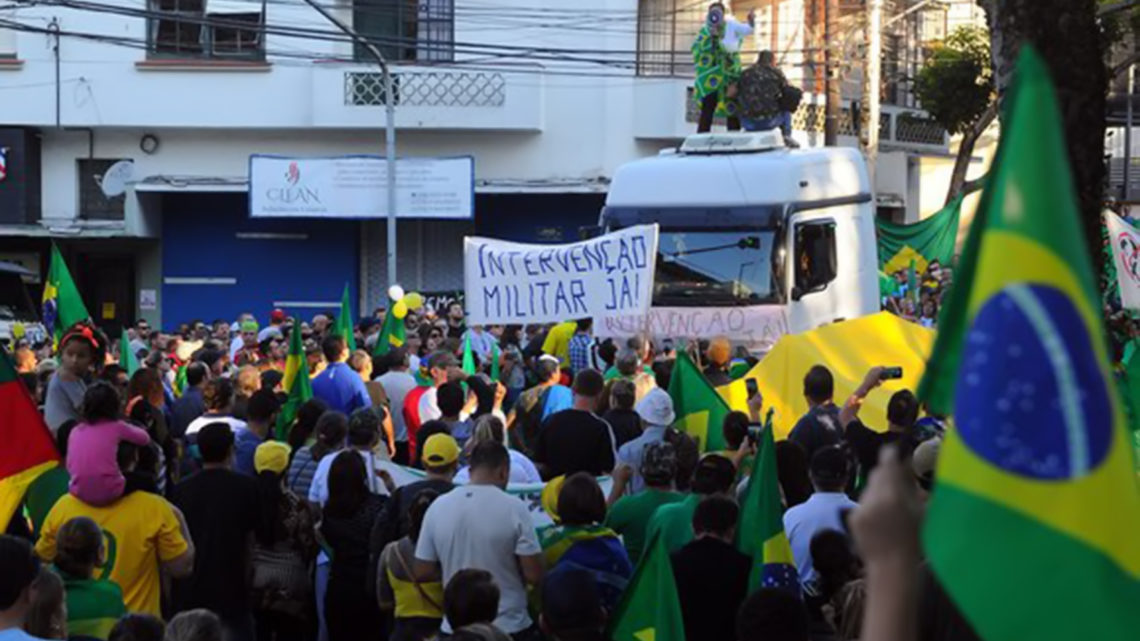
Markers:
{"x": 557, "y": 342}
{"x": 142, "y": 532}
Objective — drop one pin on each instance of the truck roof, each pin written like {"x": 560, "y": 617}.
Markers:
{"x": 739, "y": 179}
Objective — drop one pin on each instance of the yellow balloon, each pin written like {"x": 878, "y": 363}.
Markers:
{"x": 414, "y": 300}
{"x": 399, "y": 309}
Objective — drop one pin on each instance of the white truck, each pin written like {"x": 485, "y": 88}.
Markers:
{"x": 756, "y": 240}
{"x": 16, "y": 308}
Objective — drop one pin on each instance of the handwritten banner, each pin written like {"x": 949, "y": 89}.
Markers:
{"x": 607, "y": 276}
{"x": 757, "y": 327}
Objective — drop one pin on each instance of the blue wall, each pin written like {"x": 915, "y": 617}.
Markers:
{"x": 199, "y": 240}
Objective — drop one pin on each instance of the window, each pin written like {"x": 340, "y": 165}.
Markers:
{"x": 7, "y": 36}
{"x": 816, "y": 262}
{"x": 406, "y": 30}
{"x": 208, "y": 29}
{"x": 93, "y": 203}
{"x": 701, "y": 267}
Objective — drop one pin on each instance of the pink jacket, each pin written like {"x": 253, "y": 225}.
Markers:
{"x": 92, "y": 460}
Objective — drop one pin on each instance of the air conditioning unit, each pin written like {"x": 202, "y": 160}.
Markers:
{"x": 733, "y": 143}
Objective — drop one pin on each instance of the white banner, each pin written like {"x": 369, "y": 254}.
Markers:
{"x": 528, "y": 493}
{"x": 357, "y": 187}
{"x": 610, "y": 275}
{"x": 757, "y": 327}
{"x": 1125, "y": 240}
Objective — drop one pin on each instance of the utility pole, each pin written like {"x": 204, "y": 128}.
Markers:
{"x": 389, "y": 137}
{"x": 1128, "y": 122}
{"x": 832, "y": 89}
{"x": 872, "y": 86}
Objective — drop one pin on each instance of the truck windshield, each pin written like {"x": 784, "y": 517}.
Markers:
{"x": 14, "y": 302}
{"x": 708, "y": 267}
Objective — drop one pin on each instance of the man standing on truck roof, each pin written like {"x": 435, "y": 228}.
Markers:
{"x": 716, "y": 56}
{"x": 766, "y": 99}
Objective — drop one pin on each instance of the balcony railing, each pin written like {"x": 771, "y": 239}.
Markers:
{"x": 429, "y": 89}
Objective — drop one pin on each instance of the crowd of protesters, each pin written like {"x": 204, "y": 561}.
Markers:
{"x": 917, "y": 296}
{"x": 181, "y": 501}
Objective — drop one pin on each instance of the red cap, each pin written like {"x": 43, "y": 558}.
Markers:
{"x": 277, "y": 316}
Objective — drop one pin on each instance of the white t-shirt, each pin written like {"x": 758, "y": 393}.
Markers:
{"x": 204, "y": 420}
{"x": 482, "y": 527}
{"x": 397, "y": 385}
{"x": 522, "y": 471}
{"x": 319, "y": 490}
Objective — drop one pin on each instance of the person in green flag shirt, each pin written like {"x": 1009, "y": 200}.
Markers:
{"x": 673, "y": 523}
{"x": 580, "y": 541}
{"x": 93, "y": 605}
{"x": 630, "y": 515}
{"x": 718, "y": 68}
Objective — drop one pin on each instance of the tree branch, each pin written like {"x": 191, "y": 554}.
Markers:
{"x": 1116, "y": 7}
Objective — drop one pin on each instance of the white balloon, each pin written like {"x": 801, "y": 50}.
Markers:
{"x": 395, "y": 292}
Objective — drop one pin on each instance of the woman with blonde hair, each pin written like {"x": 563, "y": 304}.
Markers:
{"x": 490, "y": 428}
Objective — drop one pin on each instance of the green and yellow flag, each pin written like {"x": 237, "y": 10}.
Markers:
{"x": 468, "y": 357}
{"x": 700, "y": 410}
{"x": 295, "y": 382}
{"x": 344, "y": 324}
{"x": 1033, "y": 522}
{"x": 760, "y": 534}
{"x": 931, "y": 239}
{"x": 393, "y": 334}
{"x": 650, "y": 609}
{"x": 127, "y": 358}
{"x": 180, "y": 381}
{"x": 63, "y": 306}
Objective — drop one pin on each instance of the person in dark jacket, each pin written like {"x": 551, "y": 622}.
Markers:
{"x": 711, "y": 575}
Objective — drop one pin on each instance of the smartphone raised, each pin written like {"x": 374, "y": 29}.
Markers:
{"x": 750, "y": 385}
{"x": 891, "y": 373}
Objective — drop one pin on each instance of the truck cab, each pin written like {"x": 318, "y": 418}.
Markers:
{"x": 756, "y": 240}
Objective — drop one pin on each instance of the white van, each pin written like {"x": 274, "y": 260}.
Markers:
{"x": 756, "y": 240}
{"x": 16, "y": 307}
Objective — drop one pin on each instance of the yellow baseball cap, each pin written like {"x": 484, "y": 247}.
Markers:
{"x": 272, "y": 456}
{"x": 440, "y": 450}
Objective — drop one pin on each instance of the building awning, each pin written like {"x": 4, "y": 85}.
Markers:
{"x": 192, "y": 184}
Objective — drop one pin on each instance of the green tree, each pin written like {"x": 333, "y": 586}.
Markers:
{"x": 956, "y": 86}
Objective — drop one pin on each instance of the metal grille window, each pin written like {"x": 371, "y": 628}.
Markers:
{"x": 208, "y": 29}
{"x": 406, "y": 30}
{"x": 93, "y": 203}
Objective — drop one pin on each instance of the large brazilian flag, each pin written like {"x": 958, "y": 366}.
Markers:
{"x": 295, "y": 382}
{"x": 1033, "y": 524}
{"x": 903, "y": 247}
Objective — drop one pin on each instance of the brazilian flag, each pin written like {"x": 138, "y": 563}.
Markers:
{"x": 760, "y": 534}
{"x": 650, "y": 609}
{"x": 63, "y": 306}
{"x": 700, "y": 409}
{"x": 904, "y": 246}
{"x": 1033, "y": 524}
{"x": 296, "y": 383}
{"x": 393, "y": 334}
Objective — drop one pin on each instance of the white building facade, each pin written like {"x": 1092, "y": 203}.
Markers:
{"x": 549, "y": 98}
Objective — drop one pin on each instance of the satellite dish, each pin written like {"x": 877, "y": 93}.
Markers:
{"x": 115, "y": 179}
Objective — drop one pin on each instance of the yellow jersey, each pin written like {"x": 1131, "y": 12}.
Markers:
{"x": 140, "y": 532}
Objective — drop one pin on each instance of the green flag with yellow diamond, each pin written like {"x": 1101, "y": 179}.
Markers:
{"x": 650, "y": 609}
{"x": 923, "y": 242}
{"x": 700, "y": 410}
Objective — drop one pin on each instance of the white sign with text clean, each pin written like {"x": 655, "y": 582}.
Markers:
{"x": 509, "y": 283}
{"x": 357, "y": 187}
